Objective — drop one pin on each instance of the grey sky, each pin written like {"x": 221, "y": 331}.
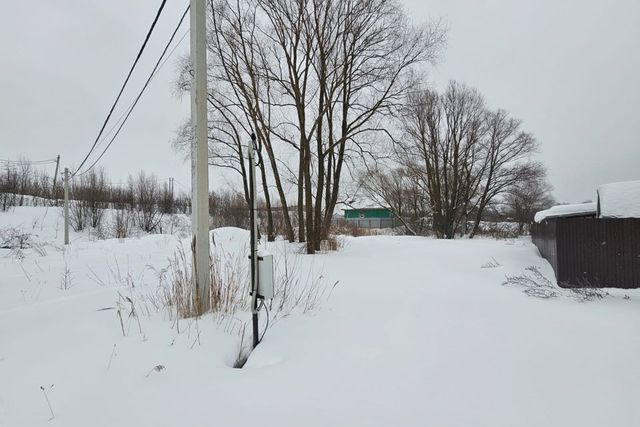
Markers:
{"x": 568, "y": 69}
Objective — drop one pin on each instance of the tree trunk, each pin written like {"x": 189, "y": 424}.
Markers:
{"x": 301, "y": 232}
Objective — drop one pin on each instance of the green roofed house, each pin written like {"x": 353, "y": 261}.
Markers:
{"x": 377, "y": 217}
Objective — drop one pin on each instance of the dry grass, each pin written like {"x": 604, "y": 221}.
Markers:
{"x": 347, "y": 228}
{"x": 228, "y": 280}
{"x": 535, "y": 284}
{"x": 295, "y": 289}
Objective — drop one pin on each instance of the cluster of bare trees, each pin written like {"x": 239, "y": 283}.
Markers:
{"x": 90, "y": 197}
{"x": 314, "y": 80}
{"x": 21, "y": 179}
{"x": 455, "y": 159}
{"x": 142, "y": 201}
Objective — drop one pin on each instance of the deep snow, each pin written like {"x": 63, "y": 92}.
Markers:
{"x": 416, "y": 333}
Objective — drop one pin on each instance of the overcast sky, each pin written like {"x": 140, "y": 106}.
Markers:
{"x": 568, "y": 69}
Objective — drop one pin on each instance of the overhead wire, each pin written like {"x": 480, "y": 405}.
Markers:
{"x": 135, "y": 62}
{"x": 132, "y": 104}
{"x": 30, "y": 162}
{"x": 159, "y": 63}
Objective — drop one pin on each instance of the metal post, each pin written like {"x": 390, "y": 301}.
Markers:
{"x": 254, "y": 245}
{"x": 200, "y": 164}
{"x": 66, "y": 206}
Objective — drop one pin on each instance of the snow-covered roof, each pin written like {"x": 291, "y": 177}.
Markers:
{"x": 619, "y": 200}
{"x": 578, "y": 209}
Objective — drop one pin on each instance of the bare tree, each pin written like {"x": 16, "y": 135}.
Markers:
{"x": 314, "y": 80}
{"x": 396, "y": 190}
{"x": 441, "y": 148}
{"x": 527, "y": 197}
{"x": 505, "y": 159}
{"x": 463, "y": 156}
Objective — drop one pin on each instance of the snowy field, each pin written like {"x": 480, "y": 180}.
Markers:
{"x": 416, "y": 332}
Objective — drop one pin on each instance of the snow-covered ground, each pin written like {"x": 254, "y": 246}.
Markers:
{"x": 417, "y": 332}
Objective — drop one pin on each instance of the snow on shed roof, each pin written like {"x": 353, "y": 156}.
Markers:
{"x": 578, "y": 209}
{"x": 619, "y": 200}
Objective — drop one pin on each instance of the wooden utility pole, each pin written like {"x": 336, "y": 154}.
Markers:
{"x": 199, "y": 153}
{"x": 66, "y": 206}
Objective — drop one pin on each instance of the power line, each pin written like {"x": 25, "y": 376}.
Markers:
{"x": 144, "y": 44}
{"x": 154, "y": 72}
{"x": 30, "y": 162}
{"x": 131, "y": 105}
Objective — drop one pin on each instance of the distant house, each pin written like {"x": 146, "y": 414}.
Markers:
{"x": 594, "y": 244}
{"x": 370, "y": 217}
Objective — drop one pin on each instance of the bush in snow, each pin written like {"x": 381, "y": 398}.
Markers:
{"x": 534, "y": 282}
{"x": 121, "y": 223}
{"x": 90, "y": 195}
{"x": 588, "y": 294}
{"x": 146, "y": 192}
{"x": 14, "y": 238}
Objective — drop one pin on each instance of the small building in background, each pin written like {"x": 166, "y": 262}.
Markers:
{"x": 594, "y": 244}
{"x": 370, "y": 217}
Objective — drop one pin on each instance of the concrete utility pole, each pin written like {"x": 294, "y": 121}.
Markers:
{"x": 200, "y": 153}
{"x": 55, "y": 179}
{"x": 66, "y": 206}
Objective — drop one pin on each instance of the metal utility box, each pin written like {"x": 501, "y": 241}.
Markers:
{"x": 265, "y": 276}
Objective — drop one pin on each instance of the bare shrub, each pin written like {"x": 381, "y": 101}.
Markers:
{"x": 167, "y": 199}
{"x": 537, "y": 285}
{"x": 15, "y": 238}
{"x": 89, "y": 194}
{"x": 293, "y": 291}
{"x": 534, "y": 282}
{"x": 348, "y": 228}
{"x": 24, "y": 180}
{"x": 122, "y": 223}
{"x": 331, "y": 243}
{"x": 588, "y": 294}
{"x": 78, "y": 215}
{"x": 229, "y": 209}
{"x": 7, "y": 201}
{"x": 146, "y": 193}
{"x": 502, "y": 230}
{"x": 9, "y": 188}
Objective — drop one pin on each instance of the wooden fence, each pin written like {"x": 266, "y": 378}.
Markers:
{"x": 589, "y": 252}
